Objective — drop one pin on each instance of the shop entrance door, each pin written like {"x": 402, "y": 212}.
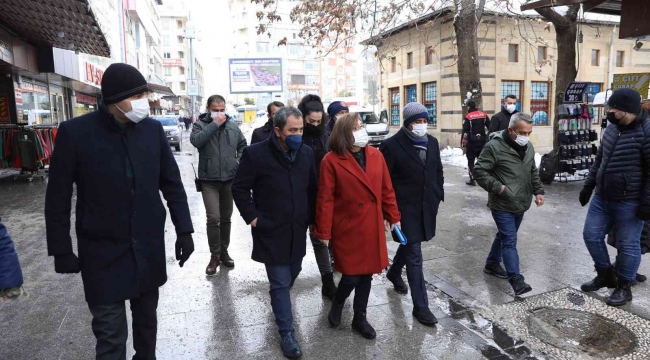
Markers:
{"x": 58, "y": 109}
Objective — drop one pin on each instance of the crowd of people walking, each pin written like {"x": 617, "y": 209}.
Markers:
{"x": 309, "y": 172}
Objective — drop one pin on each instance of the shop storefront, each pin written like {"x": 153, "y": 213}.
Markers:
{"x": 35, "y": 103}
{"x": 85, "y": 104}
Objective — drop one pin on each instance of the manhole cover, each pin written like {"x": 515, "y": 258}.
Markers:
{"x": 579, "y": 331}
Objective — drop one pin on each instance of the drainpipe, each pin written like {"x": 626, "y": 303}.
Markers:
{"x": 120, "y": 18}
{"x": 610, "y": 66}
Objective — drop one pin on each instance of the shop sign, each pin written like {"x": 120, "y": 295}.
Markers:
{"x": 93, "y": 74}
{"x": 29, "y": 87}
{"x": 86, "y": 99}
{"x": 5, "y": 116}
{"x": 574, "y": 93}
{"x": 173, "y": 62}
{"x": 637, "y": 81}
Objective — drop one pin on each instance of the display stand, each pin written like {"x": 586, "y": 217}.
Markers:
{"x": 577, "y": 150}
{"x": 27, "y": 173}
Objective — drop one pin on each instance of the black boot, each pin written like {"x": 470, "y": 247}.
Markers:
{"x": 398, "y": 283}
{"x": 425, "y": 316}
{"x": 329, "y": 288}
{"x": 471, "y": 182}
{"x": 605, "y": 278}
{"x": 336, "y": 311}
{"x": 360, "y": 324}
{"x": 621, "y": 295}
{"x": 640, "y": 278}
{"x": 519, "y": 285}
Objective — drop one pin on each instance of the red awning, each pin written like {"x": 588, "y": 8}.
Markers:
{"x": 40, "y": 22}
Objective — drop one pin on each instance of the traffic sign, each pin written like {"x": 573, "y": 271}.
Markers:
{"x": 193, "y": 87}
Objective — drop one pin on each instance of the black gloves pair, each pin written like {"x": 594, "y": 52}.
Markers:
{"x": 585, "y": 195}
{"x": 184, "y": 248}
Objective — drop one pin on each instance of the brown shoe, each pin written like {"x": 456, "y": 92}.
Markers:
{"x": 226, "y": 260}
{"x": 212, "y": 266}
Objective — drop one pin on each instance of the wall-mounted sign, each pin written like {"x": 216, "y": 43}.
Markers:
{"x": 86, "y": 99}
{"x": 637, "y": 81}
{"x": 93, "y": 74}
{"x": 31, "y": 87}
{"x": 173, "y": 62}
{"x": 5, "y": 116}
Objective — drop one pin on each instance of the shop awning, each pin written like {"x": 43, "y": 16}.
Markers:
{"x": 161, "y": 89}
{"x": 42, "y": 22}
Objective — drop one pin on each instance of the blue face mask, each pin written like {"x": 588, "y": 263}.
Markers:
{"x": 293, "y": 142}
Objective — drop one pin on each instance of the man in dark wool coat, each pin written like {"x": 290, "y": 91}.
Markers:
{"x": 120, "y": 161}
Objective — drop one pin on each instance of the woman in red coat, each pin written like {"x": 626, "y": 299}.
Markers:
{"x": 356, "y": 205}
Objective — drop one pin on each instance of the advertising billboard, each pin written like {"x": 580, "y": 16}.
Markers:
{"x": 255, "y": 75}
{"x": 637, "y": 81}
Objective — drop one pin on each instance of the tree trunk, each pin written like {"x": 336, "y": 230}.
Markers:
{"x": 469, "y": 76}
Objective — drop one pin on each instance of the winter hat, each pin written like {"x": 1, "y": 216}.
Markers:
{"x": 626, "y": 100}
{"x": 121, "y": 81}
{"x": 336, "y": 107}
{"x": 414, "y": 111}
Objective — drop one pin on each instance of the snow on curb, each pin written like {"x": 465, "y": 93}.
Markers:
{"x": 455, "y": 157}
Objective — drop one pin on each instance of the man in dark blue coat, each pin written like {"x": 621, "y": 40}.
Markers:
{"x": 280, "y": 172}
{"x": 413, "y": 159}
{"x": 11, "y": 276}
{"x": 119, "y": 159}
{"x": 262, "y": 133}
{"x": 621, "y": 178}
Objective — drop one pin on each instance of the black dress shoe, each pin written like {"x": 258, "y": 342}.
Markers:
{"x": 360, "y": 324}
{"x": 290, "y": 346}
{"x": 605, "y": 278}
{"x": 519, "y": 285}
{"x": 622, "y": 295}
{"x": 496, "y": 270}
{"x": 334, "y": 316}
{"x": 425, "y": 316}
{"x": 226, "y": 260}
{"x": 471, "y": 183}
{"x": 398, "y": 283}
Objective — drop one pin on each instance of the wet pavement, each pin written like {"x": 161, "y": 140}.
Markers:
{"x": 228, "y": 316}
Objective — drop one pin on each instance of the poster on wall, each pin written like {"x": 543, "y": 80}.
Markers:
{"x": 5, "y": 115}
{"x": 255, "y": 75}
{"x": 637, "y": 81}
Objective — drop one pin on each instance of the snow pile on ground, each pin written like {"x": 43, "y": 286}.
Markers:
{"x": 247, "y": 129}
{"x": 454, "y": 157}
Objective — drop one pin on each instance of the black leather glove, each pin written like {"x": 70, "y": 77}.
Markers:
{"x": 184, "y": 248}
{"x": 643, "y": 213}
{"x": 585, "y": 195}
{"x": 66, "y": 264}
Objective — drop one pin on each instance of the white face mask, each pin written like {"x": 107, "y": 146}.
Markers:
{"x": 139, "y": 110}
{"x": 420, "y": 129}
{"x": 522, "y": 140}
{"x": 360, "y": 138}
{"x": 511, "y": 108}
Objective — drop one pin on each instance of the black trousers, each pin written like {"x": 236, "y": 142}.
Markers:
{"x": 110, "y": 328}
{"x": 473, "y": 151}
{"x": 410, "y": 255}
{"x": 361, "y": 285}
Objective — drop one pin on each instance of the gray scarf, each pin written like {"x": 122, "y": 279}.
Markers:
{"x": 419, "y": 142}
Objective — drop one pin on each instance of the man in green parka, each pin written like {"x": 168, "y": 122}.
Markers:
{"x": 506, "y": 170}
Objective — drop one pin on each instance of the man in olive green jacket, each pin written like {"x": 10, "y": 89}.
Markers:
{"x": 506, "y": 170}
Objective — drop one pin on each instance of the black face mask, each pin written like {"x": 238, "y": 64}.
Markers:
{"x": 611, "y": 117}
{"x": 312, "y": 130}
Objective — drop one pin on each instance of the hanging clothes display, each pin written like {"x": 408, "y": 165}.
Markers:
{"x": 26, "y": 148}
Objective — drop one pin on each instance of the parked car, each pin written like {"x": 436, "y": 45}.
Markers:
{"x": 172, "y": 130}
{"x": 377, "y": 131}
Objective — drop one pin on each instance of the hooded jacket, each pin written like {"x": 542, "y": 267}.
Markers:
{"x": 500, "y": 164}
{"x": 220, "y": 148}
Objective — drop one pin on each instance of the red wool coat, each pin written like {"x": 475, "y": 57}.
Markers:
{"x": 351, "y": 208}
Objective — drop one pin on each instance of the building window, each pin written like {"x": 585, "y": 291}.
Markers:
{"x": 298, "y": 79}
{"x": 262, "y": 47}
{"x": 294, "y": 49}
{"x": 168, "y": 71}
{"x": 428, "y": 55}
{"x": 180, "y": 39}
{"x": 411, "y": 93}
{"x": 393, "y": 64}
{"x": 409, "y": 60}
{"x": 542, "y": 54}
{"x": 311, "y": 65}
{"x": 182, "y": 85}
{"x": 167, "y": 55}
{"x": 513, "y": 53}
{"x": 511, "y": 88}
{"x": 166, "y": 24}
{"x": 540, "y": 102}
{"x": 311, "y": 80}
{"x": 394, "y": 106}
{"x": 430, "y": 101}
{"x": 591, "y": 91}
{"x": 179, "y": 24}
{"x": 595, "y": 57}
{"x": 620, "y": 58}
{"x": 165, "y": 40}
{"x": 181, "y": 55}
{"x": 181, "y": 71}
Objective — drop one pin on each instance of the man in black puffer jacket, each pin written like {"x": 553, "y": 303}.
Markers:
{"x": 621, "y": 179}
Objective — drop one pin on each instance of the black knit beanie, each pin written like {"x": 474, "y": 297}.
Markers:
{"x": 626, "y": 100}
{"x": 121, "y": 81}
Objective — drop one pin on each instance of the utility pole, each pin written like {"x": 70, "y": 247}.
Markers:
{"x": 190, "y": 34}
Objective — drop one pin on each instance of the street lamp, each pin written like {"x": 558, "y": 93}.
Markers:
{"x": 190, "y": 34}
